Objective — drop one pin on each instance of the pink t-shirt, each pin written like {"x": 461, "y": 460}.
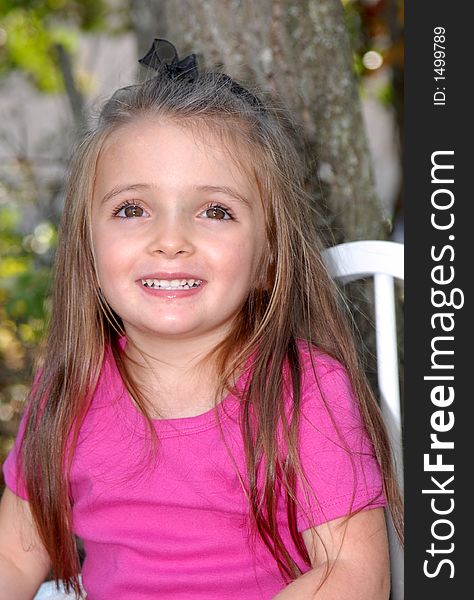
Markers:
{"x": 175, "y": 525}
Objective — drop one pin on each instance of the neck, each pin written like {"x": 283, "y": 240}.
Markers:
{"x": 171, "y": 354}
{"x": 172, "y": 374}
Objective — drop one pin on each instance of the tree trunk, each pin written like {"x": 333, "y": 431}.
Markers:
{"x": 301, "y": 50}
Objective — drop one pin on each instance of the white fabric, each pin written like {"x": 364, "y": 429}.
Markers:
{"x": 48, "y": 591}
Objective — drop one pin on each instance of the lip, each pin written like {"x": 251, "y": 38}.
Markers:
{"x": 171, "y": 294}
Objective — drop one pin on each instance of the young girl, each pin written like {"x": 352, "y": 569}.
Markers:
{"x": 200, "y": 420}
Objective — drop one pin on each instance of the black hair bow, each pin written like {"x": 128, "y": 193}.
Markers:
{"x": 163, "y": 54}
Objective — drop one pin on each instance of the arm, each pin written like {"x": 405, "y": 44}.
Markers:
{"x": 358, "y": 558}
{"x": 24, "y": 563}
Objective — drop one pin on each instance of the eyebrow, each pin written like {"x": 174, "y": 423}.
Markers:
{"x": 222, "y": 189}
{"x": 124, "y": 188}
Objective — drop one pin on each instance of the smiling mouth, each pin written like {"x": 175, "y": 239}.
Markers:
{"x": 173, "y": 284}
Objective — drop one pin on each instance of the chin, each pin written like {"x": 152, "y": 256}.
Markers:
{"x": 169, "y": 331}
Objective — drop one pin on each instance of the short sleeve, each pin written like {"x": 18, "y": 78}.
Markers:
{"x": 337, "y": 456}
{"x": 11, "y": 467}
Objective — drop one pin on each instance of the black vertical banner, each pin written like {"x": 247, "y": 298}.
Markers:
{"x": 439, "y": 430}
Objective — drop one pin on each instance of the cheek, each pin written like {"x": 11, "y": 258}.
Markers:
{"x": 110, "y": 257}
{"x": 243, "y": 262}
{"x": 236, "y": 255}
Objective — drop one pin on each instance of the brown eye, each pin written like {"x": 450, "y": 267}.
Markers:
{"x": 133, "y": 211}
{"x": 217, "y": 212}
{"x": 129, "y": 210}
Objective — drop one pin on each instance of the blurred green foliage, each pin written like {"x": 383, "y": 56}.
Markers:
{"x": 376, "y": 28}
{"x": 31, "y": 30}
{"x": 24, "y": 285}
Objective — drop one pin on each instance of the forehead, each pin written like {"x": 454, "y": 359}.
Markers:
{"x": 177, "y": 153}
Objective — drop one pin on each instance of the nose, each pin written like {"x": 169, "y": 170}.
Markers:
{"x": 170, "y": 237}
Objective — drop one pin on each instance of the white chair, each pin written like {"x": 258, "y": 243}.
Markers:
{"x": 382, "y": 261}
{"x": 48, "y": 591}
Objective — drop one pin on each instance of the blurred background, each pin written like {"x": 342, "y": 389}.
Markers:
{"x": 337, "y": 65}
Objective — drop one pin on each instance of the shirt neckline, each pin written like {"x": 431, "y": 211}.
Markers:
{"x": 225, "y": 409}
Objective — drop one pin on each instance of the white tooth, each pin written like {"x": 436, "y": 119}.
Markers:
{"x": 171, "y": 284}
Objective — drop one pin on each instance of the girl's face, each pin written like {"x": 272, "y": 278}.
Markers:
{"x": 178, "y": 231}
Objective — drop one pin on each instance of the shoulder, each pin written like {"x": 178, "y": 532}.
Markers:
{"x": 336, "y": 454}
{"x": 327, "y": 394}
{"x": 320, "y": 371}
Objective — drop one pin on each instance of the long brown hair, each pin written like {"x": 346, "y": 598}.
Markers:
{"x": 293, "y": 300}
